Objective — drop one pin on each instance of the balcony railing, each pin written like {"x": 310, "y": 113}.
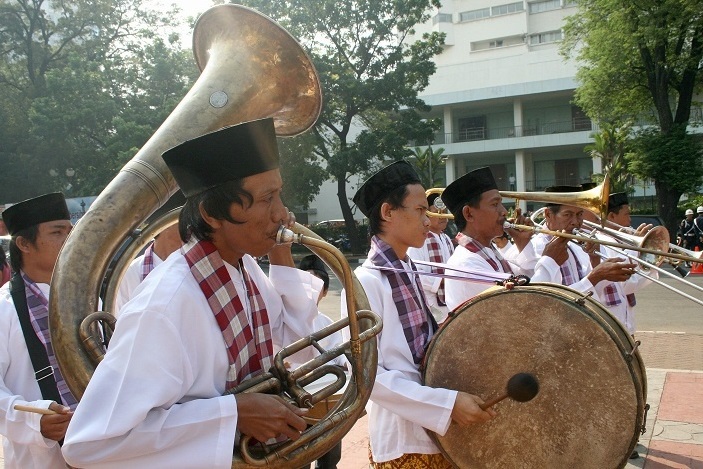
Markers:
{"x": 486, "y": 133}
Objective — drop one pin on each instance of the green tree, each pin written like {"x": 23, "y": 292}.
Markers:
{"x": 370, "y": 74}
{"x": 428, "y": 163}
{"x": 85, "y": 85}
{"x": 610, "y": 145}
{"x": 642, "y": 59}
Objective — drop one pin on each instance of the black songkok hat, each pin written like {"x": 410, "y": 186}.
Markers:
{"x": 564, "y": 189}
{"x": 468, "y": 186}
{"x": 587, "y": 186}
{"x": 314, "y": 263}
{"x": 377, "y": 187}
{"x": 617, "y": 200}
{"x": 222, "y": 156}
{"x": 30, "y": 212}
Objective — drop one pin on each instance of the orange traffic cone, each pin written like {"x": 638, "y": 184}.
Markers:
{"x": 696, "y": 267}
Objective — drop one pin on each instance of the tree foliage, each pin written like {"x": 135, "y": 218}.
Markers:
{"x": 610, "y": 145}
{"x": 642, "y": 60}
{"x": 428, "y": 163}
{"x": 85, "y": 83}
{"x": 370, "y": 74}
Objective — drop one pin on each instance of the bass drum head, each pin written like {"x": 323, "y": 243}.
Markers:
{"x": 590, "y": 404}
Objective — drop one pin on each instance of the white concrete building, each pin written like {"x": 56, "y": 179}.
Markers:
{"x": 504, "y": 94}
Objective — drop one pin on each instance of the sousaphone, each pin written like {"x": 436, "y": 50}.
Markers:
{"x": 251, "y": 69}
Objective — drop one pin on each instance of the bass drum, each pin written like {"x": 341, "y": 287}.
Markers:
{"x": 589, "y": 411}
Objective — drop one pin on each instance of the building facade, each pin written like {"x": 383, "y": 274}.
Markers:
{"x": 504, "y": 94}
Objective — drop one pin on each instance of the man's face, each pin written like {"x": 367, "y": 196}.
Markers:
{"x": 567, "y": 218}
{"x": 689, "y": 217}
{"x": 3, "y": 228}
{"x": 437, "y": 224}
{"x": 43, "y": 253}
{"x": 622, "y": 217}
{"x": 488, "y": 219}
{"x": 409, "y": 223}
{"x": 261, "y": 220}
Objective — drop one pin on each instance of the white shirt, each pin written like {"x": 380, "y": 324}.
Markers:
{"x": 156, "y": 398}
{"x": 623, "y": 311}
{"x": 430, "y": 284}
{"x": 131, "y": 280}
{"x": 400, "y": 407}
{"x": 23, "y": 444}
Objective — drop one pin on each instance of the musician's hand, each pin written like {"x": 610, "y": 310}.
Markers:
{"x": 643, "y": 229}
{"x": 54, "y": 426}
{"x": 264, "y": 416}
{"x": 520, "y": 238}
{"x": 556, "y": 249}
{"x": 614, "y": 270}
{"x": 281, "y": 254}
{"x": 467, "y": 411}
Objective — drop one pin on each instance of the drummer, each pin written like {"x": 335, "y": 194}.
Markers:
{"x": 479, "y": 215}
{"x": 400, "y": 408}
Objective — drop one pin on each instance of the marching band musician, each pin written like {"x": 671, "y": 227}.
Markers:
{"x": 619, "y": 297}
{"x": 203, "y": 321}
{"x": 29, "y": 373}
{"x": 438, "y": 248}
{"x": 478, "y": 211}
{"x": 400, "y": 407}
{"x": 576, "y": 271}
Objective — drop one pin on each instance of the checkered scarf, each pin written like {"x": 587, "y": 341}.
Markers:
{"x": 148, "y": 264}
{"x": 408, "y": 298}
{"x": 435, "y": 252}
{"x": 38, "y": 307}
{"x": 567, "y": 275}
{"x": 485, "y": 253}
{"x": 250, "y": 350}
{"x": 613, "y": 299}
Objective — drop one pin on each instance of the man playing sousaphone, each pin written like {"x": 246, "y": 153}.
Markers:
{"x": 400, "y": 408}
{"x": 204, "y": 320}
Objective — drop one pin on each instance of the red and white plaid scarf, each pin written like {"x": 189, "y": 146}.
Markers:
{"x": 408, "y": 298}
{"x": 485, "y": 253}
{"x": 148, "y": 264}
{"x": 249, "y": 347}
{"x": 435, "y": 253}
{"x": 38, "y": 307}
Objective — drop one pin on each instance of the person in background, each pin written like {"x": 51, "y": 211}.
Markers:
{"x": 205, "y": 321}
{"x": 5, "y": 270}
{"x": 316, "y": 267}
{"x": 687, "y": 233}
{"x": 29, "y": 373}
{"x": 438, "y": 248}
{"x": 401, "y": 408}
{"x": 698, "y": 222}
{"x": 163, "y": 244}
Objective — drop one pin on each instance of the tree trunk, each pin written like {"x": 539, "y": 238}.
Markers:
{"x": 357, "y": 244}
{"x": 668, "y": 200}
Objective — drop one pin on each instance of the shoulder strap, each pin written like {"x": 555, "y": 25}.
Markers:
{"x": 43, "y": 371}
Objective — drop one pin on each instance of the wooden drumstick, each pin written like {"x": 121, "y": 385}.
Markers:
{"x": 522, "y": 387}
{"x": 35, "y": 410}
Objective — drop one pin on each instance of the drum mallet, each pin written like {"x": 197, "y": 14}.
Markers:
{"x": 522, "y": 387}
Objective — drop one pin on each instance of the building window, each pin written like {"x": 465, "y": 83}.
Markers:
{"x": 474, "y": 15}
{"x": 472, "y": 128}
{"x": 545, "y": 5}
{"x": 494, "y": 44}
{"x": 507, "y": 8}
{"x": 545, "y": 38}
{"x": 442, "y": 18}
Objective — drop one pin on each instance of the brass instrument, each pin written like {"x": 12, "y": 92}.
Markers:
{"x": 251, "y": 69}
{"x": 594, "y": 200}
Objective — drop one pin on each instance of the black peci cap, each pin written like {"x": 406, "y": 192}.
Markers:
{"x": 314, "y": 263}
{"x": 222, "y": 156}
{"x": 30, "y": 212}
{"x": 617, "y": 200}
{"x": 377, "y": 187}
{"x": 468, "y": 186}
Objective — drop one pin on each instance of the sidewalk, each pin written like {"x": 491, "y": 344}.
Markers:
{"x": 674, "y": 437}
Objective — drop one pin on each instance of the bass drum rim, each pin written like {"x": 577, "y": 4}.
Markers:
{"x": 589, "y": 309}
